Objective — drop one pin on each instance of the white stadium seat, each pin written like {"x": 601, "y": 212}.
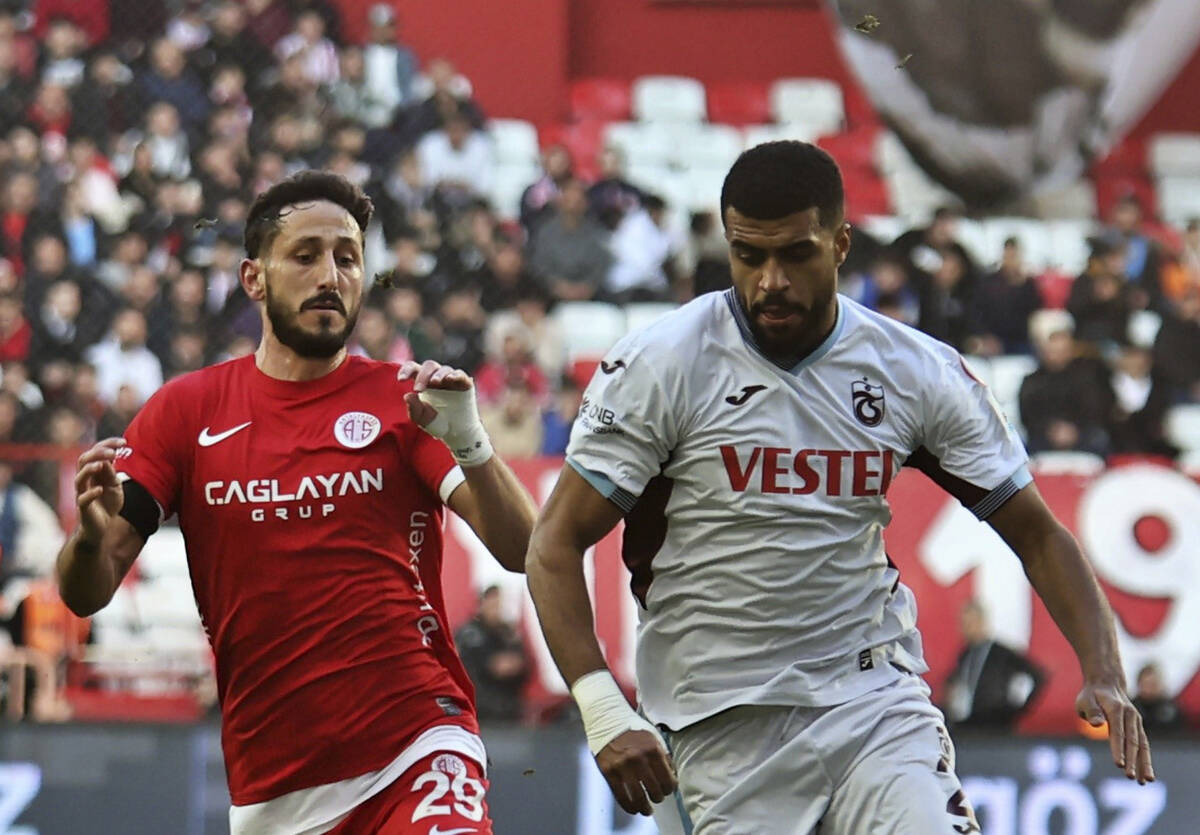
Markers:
{"x": 590, "y": 328}
{"x": 640, "y": 314}
{"x": 976, "y": 241}
{"x": 704, "y": 188}
{"x": 668, "y": 98}
{"x": 1008, "y": 372}
{"x": 813, "y": 102}
{"x": 883, "y": 228}
{"x": 509, "y": 182}
{"x": 515, "y": 141}
{"x": 640, "y": 143}
{"x": 1068, "y": 244}
{"x": 1066, "y": 463}
{"x": 1036, "y": 244}
{"x": 1175, "y": 155}
{"x": 1183, "y": 427}
{"x": 708, "y": 146}
{"x": 981, "y": 367}
{"x": 1179, "y": 198}
{"x": 166, "y": 602}
{"x": 759, "y": 134}
{"x": 164, "y": 555}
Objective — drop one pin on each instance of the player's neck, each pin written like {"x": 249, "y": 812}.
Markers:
{"x": 276, "y": 360}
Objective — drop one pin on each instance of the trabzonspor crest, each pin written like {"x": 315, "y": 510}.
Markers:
{"x": 867, "y": 402}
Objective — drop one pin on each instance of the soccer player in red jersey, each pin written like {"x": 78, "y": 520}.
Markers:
{"x": 310, "y": 486}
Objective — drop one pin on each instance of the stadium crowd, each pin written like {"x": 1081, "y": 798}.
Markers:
{"x": 128, "y": 159}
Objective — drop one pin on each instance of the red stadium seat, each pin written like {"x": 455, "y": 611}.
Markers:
{"x": 860, "y": 113}
{"x": 583, "y": 140}
{"x": 1126, "y": 159}
{"x": 1054, "y": 287}
{"x": 604, "y": 99}
{"x": 738, "y": 103}
{"x": 866, "y": 194}
{"x": 1110, "y": 189}
{"x": 852, "y": 149}
{"x": 582, "y": 370}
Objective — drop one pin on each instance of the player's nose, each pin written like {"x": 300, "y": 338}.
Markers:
{"x": 773, "y": 278}
{"x": 327, "y": 272}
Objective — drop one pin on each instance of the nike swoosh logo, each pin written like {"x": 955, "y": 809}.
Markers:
{"x": 747, "y": 393}
{"x": 439, "y": 831}
{"x": 610, "y": 369}
{"x": 206, "y": 439}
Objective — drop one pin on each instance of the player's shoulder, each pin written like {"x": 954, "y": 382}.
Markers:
{"x": 902, "y": 345}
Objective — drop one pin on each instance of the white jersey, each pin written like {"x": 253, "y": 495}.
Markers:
{"x": 755, "y": 499}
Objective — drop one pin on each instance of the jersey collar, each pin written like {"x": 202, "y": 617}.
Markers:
{"x": 743, "y": 324}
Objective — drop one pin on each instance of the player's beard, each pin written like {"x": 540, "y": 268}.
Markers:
{"x": 789, "y": 342}
{"x": 322, "y": 343}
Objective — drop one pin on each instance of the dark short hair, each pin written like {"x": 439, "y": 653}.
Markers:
{"x": 776, "y": 179}
{"x": 267, "y": 211}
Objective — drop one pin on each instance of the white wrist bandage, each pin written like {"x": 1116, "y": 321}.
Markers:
{"x": 606, "y": 715}
{"x": 457, "y": 425}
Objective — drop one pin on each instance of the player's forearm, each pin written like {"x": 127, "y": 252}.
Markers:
{"x": 1063, "y": 579}
{"x": 559, "y": 591}
{"x": 505, "y": 511}
{"x": 87, "y": 576}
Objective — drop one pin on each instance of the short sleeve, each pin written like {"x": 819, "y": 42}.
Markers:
{"x": 626, "y": 427}
{"x": 434, "y": 464}
{"x": 154, "y": 456}
{"x": 970, "y": 449}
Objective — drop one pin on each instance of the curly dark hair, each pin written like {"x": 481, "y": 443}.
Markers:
{"x": 267, "y": 211}
{"x": 776, "y": 179}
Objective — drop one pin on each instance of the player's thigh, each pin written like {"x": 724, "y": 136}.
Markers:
{"x": 748, "y": 771}
{"x": 902, "y": 780}
{"x": 443, "y": 794}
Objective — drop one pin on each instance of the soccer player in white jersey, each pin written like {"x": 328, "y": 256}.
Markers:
{"x": 748, "y": 440}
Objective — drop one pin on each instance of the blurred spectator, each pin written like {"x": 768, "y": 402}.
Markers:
{"x": 504, "y": 277}
{"x": 612, "y": 196}
{"x": 570, "y": 250}
{"x": 170, "y": 152}
{"x": 495, "y": 658}
{"x": 169, "y": 80}
{"x": 641, "y": 247}
{"x": 510, "y": 364}
{"x": 128, "y": 251}
{"x": 443, "y": 92}
{"x": 15, "y": 90}
{"x": 463, "y": 321}
{"x": 61, "y": 427}
{"x": 991, "y": 685}
{"x": 61, "y": 61}
{"x": 350, "y": 96}
{"x": 405, "y": 312}
{"x": 268, "y": 21}
{"x": 50, "y": 112}
{"x": 1177, "y": 347}
{"x": 390, "y": 67}
{"x": 187, "y": 350}
{"x": 1160, "y": 713}
{"x": 1100, "y": 298}
{"x": 59, "y": 329}
{"x": 457, "y": 157}
{"x": 188, "y": 29}
{"x": 20, "y": 218}
{"x": 140, "y": 181}
{"x": 403, "y": 197}
{"x": 1181, "y": 275}
{"x": 1064, "y": 404}
{"x": 537, "y": 201}
{"x": 1143, "y": 258}
{"x": 119, "y": 414}
{"x": 16, "y": 334}
{"x": 307, "y": 40}
{"x": 1141, "y": 399}
{"x": 886, "y": 279}
{"x": 104, "y": 104}
{"x": 375, "y": 337}
{"x": 925, "y": 249}
{"x": 549, "y": 344}
{"x": 15, "y": 379}
{"x": 558, "y": 419}
{"x": 514, "y": 422}
{"x": 12, "y": 426}
{"x": 1001, "y": 306}
{"x": 123, "y": 358}
{"x": 85, "y": 396}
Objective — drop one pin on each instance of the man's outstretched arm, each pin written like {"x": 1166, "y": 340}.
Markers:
{"x": 1064, "y": 580}
{"x": 627, "y": 747}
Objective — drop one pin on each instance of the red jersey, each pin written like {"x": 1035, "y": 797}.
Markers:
{"x": 312, "y": 516}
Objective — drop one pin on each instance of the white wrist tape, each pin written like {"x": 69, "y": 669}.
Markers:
{"x": 606, "y": 714}
{"x": 457, "y": 425}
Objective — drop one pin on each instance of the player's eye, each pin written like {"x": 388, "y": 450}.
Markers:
{"x": 305, "y": 257}
{"x": 348, "y": 261}
{"x": 751, "y": 257}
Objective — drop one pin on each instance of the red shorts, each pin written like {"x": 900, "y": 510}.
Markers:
{"x": 442, "y": 794}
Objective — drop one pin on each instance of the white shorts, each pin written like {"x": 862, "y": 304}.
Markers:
{"x": 881, "y": 763}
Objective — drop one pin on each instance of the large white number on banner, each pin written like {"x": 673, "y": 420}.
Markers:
{"x": 19, "y": 784}
{"x": 1108, "y": 517}
{"x": 955, "y": 545}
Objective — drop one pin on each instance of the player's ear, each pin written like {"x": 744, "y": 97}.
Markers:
{"x": 841, "y": 242}
{"x": 253, "y": 278}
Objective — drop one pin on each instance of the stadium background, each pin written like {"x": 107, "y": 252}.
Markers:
{"x": 157, "y": 230}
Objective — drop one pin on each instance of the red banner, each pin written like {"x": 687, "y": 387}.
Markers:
{"x": 1139, "y": 525}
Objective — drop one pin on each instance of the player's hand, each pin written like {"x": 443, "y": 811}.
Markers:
{"x": 1101, "y": 702}
{"x": 638, "y": 770}
{"x": 430, "y": 375}
{"x": 98, "y": 491}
